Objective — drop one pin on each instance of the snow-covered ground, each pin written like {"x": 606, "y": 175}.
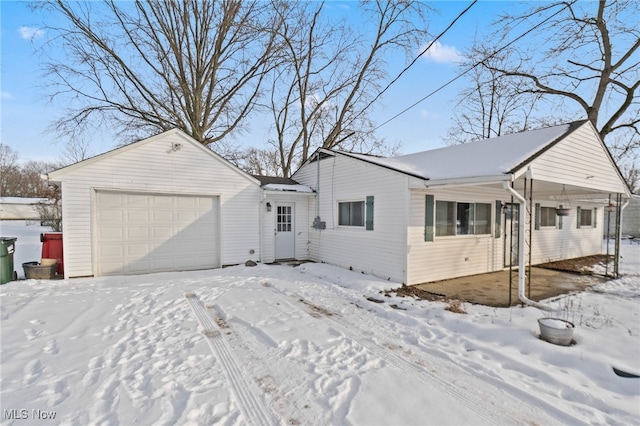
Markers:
{"x": 305, "y": 345}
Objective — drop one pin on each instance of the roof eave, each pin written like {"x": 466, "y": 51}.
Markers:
{"x": 464, "y": 181}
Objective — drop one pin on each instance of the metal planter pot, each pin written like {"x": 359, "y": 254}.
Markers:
{"x": 556, "y": 331}
{"x": 36, "y": 271}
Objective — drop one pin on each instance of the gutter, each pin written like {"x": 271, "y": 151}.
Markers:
{"x": 521, "y": 266}
{"x": 616, "y": 261}
{"x": 466, "y": 181}
{"x": 626, "y": 203}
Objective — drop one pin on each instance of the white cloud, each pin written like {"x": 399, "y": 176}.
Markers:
{"x": 428, "y": 114}
{"x": 6, "y": 95}
{"x": 30, "y": 33}
{"x": 442, "y": 53}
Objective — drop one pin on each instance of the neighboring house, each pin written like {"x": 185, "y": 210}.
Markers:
{"x": 169, "y": 203}
{"x": 12, "y": 208}
{"x": 630, "y": 224}
{"x": 453, "y": 211}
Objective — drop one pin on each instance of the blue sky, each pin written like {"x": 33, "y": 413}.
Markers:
{"x": 26, "y": 113}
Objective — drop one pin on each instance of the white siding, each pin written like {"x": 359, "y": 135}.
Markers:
{"x": 380, "y": 252}
{"x": 551, "y": 243}
{"x": 452, "y": 256}
{"x": 448, "y": 257}
{"x": 151, "y": 166}
{"x": 579, "y": 160}
{"x": 301, "y": 223}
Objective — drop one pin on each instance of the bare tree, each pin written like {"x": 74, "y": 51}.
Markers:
{"x": 257, "y": 161}
{"x": 625, "y": 147}
{"x": 30, "y": 182}
{"x": 25, "y": 180}
{"x": 74, "y": 151}
{"x": 492, "y": 104}
{"x": 587, "y": 55}
{"x": 21, "y": 180}
{"x": 328, "y": 74}
{"x": 8, "y": 168}
{"x": 149, "y": 66}
{"x": 50, "y": 208}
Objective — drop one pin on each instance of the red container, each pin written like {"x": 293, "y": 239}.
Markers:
{"x": 52, "y": 248}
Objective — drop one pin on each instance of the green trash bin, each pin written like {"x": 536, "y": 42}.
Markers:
{"x": 7, "y": 247}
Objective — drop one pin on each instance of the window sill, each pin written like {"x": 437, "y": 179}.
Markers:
{"x": 466, "y": 236}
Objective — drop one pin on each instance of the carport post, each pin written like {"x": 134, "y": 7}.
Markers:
{"x": 521, "y": 261}
{"x": 619, "y": 209}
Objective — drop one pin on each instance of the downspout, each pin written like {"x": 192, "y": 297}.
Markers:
{"x": 521, "y": 260}
{"x": 261, "y": 220}
{"x": 619, "y": 214}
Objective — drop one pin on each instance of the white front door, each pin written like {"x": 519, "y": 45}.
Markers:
{"x": 285, "y": 233}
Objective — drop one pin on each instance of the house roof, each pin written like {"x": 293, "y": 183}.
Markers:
{"x": 274, "y": 183}
{"x": 267, "y": 180}
{"x": 22, "y": 200}
{"x": 489, "y": 157}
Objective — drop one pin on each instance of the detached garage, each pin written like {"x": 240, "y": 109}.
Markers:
{"x": 165, "y": 203}
{"x": 137, "y": 232}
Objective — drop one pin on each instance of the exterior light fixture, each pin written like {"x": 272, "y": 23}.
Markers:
{"x": 268, "y": 207}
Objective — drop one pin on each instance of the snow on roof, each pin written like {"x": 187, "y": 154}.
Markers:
{"x": 287, "y": 187}
{"x": 22, "y": 200}
{"x": 489, "y": 157}
{"x": 275, "y": 183}
{"x": 265, "y": 180}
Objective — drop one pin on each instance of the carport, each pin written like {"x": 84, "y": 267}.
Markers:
{"x": 500, "y": 290}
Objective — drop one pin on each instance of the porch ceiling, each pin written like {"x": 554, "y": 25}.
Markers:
{"x": 554, "y": 191}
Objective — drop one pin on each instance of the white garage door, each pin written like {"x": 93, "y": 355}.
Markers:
{"x": 141, "y": 233}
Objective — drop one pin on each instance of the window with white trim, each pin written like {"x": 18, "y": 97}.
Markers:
{"x": 548, "y": 216}
{"x": 351, "y": 213}
{"x": 586, "y": 217}
{"x": 457, "y": 218}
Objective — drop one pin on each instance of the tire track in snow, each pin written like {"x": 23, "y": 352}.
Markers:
{"x": 545, "y": 411}
{"x": 475, "y": 404}
{"x": 253, "y": 410}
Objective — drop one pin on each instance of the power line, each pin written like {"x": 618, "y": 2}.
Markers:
{"x": 435, "y": 40}
{"x": 469, "y": 69}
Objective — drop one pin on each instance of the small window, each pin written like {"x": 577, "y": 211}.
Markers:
{"x": 547, "y": 216}
{"x": 283, "y": 219}
{"x": 464, "y": 220}
{"x": 586, "y": 217}
{"x": 351, "y": 213}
